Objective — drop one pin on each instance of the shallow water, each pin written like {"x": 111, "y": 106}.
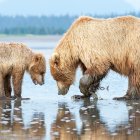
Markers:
{"x": 47, "y": 116}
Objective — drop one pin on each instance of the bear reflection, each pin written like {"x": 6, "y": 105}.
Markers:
{"x": 12, "y": 126}
{"x": 87, "y": 119}
{"x": 67, "y": 123}
{"x": 104, "y": 119}
{"x": 64, "y": 126}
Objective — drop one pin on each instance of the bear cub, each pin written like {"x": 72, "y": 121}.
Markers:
{"x": 15, "y": 59}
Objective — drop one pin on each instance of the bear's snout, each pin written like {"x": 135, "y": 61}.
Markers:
{"x": 36, "y": 82}
{"x": 63, "y": 91}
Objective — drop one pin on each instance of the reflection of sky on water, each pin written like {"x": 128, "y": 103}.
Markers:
{"x": 113, "y": 113}
{"x": 48, "y": 109}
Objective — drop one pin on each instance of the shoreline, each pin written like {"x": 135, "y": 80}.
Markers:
{"x": 33, "y": 41}
{"x": 30, "y": 37}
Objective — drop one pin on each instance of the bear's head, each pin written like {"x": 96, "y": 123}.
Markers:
{"x": 37, "y": 69}
{"x": 63, "y": 72}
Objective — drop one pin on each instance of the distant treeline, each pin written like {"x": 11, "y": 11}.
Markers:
{"x": 43, "y": 25}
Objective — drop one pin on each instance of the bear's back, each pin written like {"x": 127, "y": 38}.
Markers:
{"x": 13, "y": 52}
{"x": 125, "y": 19}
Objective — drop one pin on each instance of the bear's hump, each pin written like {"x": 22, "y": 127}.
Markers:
{"x": 128, "y": 18}
{"x": 82, "y": 19}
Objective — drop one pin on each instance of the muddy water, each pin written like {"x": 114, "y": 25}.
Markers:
{"x": 47, "y": 116}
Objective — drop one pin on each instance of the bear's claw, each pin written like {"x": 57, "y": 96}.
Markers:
{"x": 126, "y": 98}
{"x": 79, "y": 97}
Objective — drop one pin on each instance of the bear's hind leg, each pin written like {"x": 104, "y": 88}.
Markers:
{"x": 133, "y": 92}
{"x": 7, "y": 86}
{"x": 17, "y": 77}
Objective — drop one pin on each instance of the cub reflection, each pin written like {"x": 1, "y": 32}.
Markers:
{"x": 12, "y": 122}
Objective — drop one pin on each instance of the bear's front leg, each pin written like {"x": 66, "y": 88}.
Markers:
{"x": 88, "y": 86}
{"x": 85, "y": 83}
{"x": 133, "y": 92}
{"x": 17, "y": 83}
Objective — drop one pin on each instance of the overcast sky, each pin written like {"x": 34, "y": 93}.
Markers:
{"x": 63, "y": 7}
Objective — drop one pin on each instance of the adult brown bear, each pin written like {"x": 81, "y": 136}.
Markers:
{"x": 98, "y": 45}
{"x": 15, "y": 59}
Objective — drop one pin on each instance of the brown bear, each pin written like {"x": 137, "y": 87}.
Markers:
{"x": 98, "y": 45}
{"x": 15, "y": 59}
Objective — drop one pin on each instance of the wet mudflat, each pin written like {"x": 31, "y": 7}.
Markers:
{"x": 48, "y": 116}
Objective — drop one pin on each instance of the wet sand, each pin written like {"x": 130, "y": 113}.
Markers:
{"x": 48, "y": 116}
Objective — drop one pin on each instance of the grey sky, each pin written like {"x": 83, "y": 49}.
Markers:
{"x": 62, "y": 7}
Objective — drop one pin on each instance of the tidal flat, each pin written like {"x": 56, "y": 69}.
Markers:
{"x": 49, "y": 116}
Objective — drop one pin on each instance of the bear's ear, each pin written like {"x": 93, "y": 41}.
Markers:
{"x": 55, "y": 59}
{"x": 37, "y": 57}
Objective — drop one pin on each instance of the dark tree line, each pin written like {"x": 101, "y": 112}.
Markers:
{"x": 42, "y": 25}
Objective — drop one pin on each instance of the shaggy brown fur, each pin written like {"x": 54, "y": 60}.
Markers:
{"x": 99, "y": 45}
{"x": 15, "y": 59}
